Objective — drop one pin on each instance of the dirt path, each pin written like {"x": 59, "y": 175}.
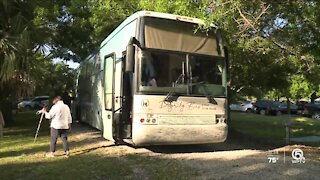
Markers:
{"x": 230, "y": 160}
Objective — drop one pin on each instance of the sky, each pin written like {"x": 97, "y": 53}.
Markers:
{"x": 71, "y": 64}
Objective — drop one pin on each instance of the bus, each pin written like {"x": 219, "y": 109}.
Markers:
{"x": 157, "y": 79}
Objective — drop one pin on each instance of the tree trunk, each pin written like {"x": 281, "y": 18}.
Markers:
{"x": 6, "y": 108}
{"x": 288, "y": 106}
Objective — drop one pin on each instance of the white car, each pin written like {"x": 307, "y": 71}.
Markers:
{"x": 245, "y": 106}
{"x": 35, "y": 103}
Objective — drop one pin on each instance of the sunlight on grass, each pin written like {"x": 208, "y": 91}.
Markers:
{"x": 90, "y": 158}
{"x": 302, "y": 119}
{"x": 272, "y": 128}
{"x": 297, "y": 130}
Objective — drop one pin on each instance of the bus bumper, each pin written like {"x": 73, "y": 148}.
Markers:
{"x": 143, "y": 135}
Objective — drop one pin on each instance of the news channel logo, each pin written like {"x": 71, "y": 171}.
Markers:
{"x": 296, "y": 154}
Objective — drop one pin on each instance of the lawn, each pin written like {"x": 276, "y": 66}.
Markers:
{"x": 272, "y": 128}
{"x": 21, "y": 159}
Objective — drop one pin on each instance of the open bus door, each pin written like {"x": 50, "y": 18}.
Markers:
{"x": 123, "y": 123}
{"x": 125, "y": 128}
{"x": 109, "y": 96}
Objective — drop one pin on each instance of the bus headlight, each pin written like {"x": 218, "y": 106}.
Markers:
{"x": 221, "y": 118}
{"x": 154, "y": 120}
{"x": 149, "y": 119}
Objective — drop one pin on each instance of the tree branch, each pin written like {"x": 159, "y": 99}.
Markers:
{"x": 247, "y": 22}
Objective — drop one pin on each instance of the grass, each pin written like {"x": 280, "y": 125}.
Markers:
{"x": 272, "y": 128}
{"x": 21, "y": 159}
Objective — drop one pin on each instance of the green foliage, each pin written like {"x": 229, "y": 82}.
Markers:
{"x": 14, "y": 35}
{"x": 272, "y": 45}
{"x": 300, "y": 87}
{"x": 16, "y": 49}
{"x": 180, "y": 7}
{"x": 256, "y": 62}
{"x": 52, "y": 79}
{"x": 108, "y": 14}
{"x": 26, "y": 31}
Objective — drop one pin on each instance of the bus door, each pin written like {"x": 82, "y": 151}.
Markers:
{"x": 126, "y": 109}
{"x": 109, "y": 96}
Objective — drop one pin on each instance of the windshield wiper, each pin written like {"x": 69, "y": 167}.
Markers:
{"x": 170, "y": 97}
{"x": 209, "y": 97}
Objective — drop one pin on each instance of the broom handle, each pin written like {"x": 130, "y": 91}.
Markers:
{"x": 35, "y": 137}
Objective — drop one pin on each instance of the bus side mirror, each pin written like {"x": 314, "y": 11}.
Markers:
{"x": 130, "y": 58}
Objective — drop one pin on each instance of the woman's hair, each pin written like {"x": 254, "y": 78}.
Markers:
{"x": 57, "y": 98}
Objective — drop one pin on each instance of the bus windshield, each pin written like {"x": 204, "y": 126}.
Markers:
{"x": 185, "y": 74}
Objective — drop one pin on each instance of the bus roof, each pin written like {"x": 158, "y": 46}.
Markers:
{"x": 151, "y": 14}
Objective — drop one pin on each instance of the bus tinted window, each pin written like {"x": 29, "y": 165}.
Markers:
{"x": 179, "y": 36}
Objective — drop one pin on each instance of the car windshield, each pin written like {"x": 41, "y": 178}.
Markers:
{"x": 186, "y": 74}
{"x": 245, "y": 102}
{"x": 27, "y": 98}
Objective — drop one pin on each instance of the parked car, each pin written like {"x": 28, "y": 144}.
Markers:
{"x": 245, "y": 106}
{"x": 313, "y": 110}
{"x": 283, "y": 107}
{"x": 267, "y": 107}
{"x": 34, "y": 103}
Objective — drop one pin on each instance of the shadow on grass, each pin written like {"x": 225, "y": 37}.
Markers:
{"x": 23, "y": 119}
{"x": 87, "y": 166}
{"x": 93, "y": 166}
{"x": 88, "y": 150}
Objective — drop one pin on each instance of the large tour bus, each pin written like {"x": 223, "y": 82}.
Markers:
{"x": 156, "y": 79}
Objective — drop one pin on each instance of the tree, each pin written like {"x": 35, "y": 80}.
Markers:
{"x": 272, "y": 45}
{"x": 22, "y": 43}
{"x": 268, "y": 41}
{"x": 78, "y": 26}
{"x": 15, "y": 31}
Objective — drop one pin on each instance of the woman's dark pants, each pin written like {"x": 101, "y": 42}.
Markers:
{"x": 62, "y": 133}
